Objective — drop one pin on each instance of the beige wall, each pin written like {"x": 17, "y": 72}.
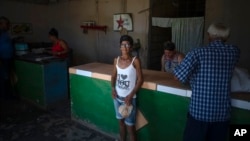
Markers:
{"x": 67, "y": 16}
{"x": 235, "y": 14}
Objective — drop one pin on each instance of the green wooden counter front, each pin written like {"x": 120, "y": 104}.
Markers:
{"x": 165, "y": 113}
{"x": 42, "y": 83}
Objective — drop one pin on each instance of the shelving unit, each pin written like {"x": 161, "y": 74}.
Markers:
{"x": 93, "y": 27}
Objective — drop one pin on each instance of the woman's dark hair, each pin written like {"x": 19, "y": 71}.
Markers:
{"x": 169, "y": 46}
{"x": 53, "y": 32}
{"x": 127, "y": 38}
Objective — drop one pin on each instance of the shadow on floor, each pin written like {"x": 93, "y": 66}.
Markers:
{"x": 20, "y": 121}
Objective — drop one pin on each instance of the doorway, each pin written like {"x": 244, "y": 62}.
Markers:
{"x": 158, "y": 35}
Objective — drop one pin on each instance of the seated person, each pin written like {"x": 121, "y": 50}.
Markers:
{"x": 171, "y": 58}
{"x": 60, "y": 47}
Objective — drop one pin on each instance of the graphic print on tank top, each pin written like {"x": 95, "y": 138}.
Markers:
{"x": 126, "y": 78}
{"x": 122, "y": 82}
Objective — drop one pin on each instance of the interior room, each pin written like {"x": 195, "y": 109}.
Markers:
{"x": 66, "y": 95}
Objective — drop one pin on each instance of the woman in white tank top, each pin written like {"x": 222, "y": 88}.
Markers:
{"x": 126, "y": 80}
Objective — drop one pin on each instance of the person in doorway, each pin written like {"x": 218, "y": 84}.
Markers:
{"x": 209, "y": 70}
{"x": 171, "y": 58}
{"x": 126, "y": 80}
{"x": 60, "y": 47}
{"x": 6, "y": 56}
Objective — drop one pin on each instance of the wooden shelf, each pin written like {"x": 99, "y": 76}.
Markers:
{"x": 94, "y": 27}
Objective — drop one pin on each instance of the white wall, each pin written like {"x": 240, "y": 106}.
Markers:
{"x": 67, "y": 16}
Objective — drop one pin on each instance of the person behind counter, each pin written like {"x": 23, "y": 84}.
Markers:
{"x": 171, "y": 58}
{"x": 6, "y": 56}
{"x": 60, "y": 47}
{"x": 209, "y": 70}
{"x": 126, "y": 80}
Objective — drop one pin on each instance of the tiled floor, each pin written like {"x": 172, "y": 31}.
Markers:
{"x": 21, "y": 121}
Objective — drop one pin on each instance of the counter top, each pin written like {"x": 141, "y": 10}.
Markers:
{"x": 38, "y": 58}
{"x": 151, "y": 77}
{"x": 154, "y": 80}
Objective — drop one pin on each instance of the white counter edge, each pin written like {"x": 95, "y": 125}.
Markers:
{"x": 175, "y": 91}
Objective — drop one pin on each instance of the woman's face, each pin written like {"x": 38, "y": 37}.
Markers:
{"x": 52, "y": 38}
{"x": 125, "y": 47}
{"x": 169, "y": 54}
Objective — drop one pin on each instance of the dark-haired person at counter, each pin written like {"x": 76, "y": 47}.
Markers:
{"x": 60, "y": 47}
{"x": 171, "y": 58}
{"x": 209, "y": 70}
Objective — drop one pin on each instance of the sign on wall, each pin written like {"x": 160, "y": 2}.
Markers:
{"x": 123, "y": 21}
{"x": 21, "y": 28}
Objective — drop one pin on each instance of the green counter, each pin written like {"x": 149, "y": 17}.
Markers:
{"x": 163, "y": 114}
{"x": 42, "y": 83}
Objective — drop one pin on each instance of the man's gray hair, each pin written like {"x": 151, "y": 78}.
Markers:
{"x": 218, "y": 31}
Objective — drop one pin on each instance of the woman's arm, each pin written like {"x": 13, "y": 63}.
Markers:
{"x": 139, "y": 81}
{"x": 113, "y": 79}
{"x": 65, "y": 47}
{"x": 162, "y": 63}
{"x": 180, "y": 57}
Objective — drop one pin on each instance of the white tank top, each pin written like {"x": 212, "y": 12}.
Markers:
{"x": 126, "y": 79}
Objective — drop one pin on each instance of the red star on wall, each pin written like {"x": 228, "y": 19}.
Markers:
{"x": 120, "y": 22}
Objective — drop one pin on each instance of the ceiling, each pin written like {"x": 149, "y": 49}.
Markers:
{"x": 40, "y": 1}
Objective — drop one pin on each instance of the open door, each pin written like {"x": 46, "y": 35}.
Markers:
{"x": 158, "y": 36}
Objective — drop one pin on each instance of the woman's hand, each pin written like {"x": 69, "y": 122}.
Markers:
{"x": 54, "y": 53}
{"x": 114, "y": 94}
{"x": 47, "y": 51}
{"x": 128, "y": 99}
